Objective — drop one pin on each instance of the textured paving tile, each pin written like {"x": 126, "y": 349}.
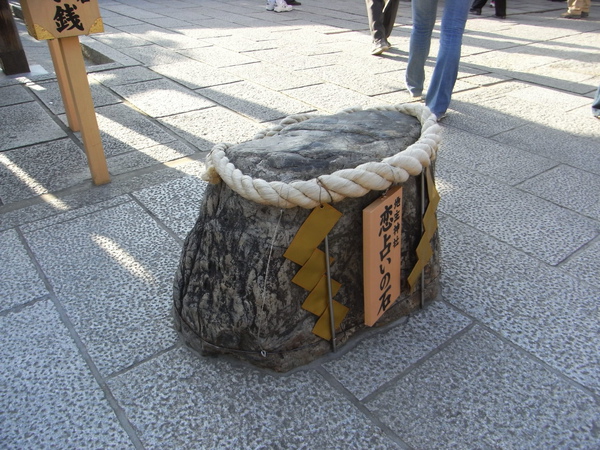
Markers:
{"x": 218, "y": 56}
{"x": 569, "y": 187}
{"x": 113, "y": 272}
{"x": 274, "y": 77}
{"x": 176, "y": 203}
{"x": 49, "y": 93}
{"x": 195, "y": 74}
{"x": 357, "y": 79}
{"x": 255, "y": 101}
{"x": 48, "y": 396}
{"x": 480, "y": 120}
{"x": 180, "y": 400}
{"x": 537, "y": 227}
{"x": 480, "y": 393}
{"x": 126, "y": 75}
{"x": 148, "y": 157}
{"x": 208, "y": 127}
{"x": 491, "y": 158}
{"x": 123, "y": 129}
{"x": 151, "y": 55}
{"x": 162, "y": 97}
{"x": 332, "y": 99}
{"x": 377, "y": 359}
{"x": 26, "y": 124}
{"x": 574, "y": 150}
{"x": 12, "y": 95}
{"x": 542, "y": 309}
{"x": 19, "y": 282}
{"x": 31, "y": 171}
{"x": 585, "y": 265}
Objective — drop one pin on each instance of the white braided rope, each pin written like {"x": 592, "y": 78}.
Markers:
{"x": 371, "y": 176}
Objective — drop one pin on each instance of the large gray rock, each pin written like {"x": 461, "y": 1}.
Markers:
{"x": 233, "y": 292}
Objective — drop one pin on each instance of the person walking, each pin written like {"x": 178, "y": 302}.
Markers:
{"x": 382, "y": 16}
{"x": 577, "y": 9}
{"x": 499, "y": 5}
{"x": 454, "y": 19}
{"x": 596, "y": 105}
{"x": 278, "y": 6}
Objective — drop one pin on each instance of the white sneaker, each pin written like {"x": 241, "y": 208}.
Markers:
{"x": 270, "y": 5}
{"x": 282, "y": 6}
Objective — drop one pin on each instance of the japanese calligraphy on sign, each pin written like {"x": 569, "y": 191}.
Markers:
{"x": 382, "y": 231}
{"x": 50, "y": 19}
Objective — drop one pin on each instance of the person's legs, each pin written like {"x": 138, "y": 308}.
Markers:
{"x": 375, "y": 17}
{"x": 500, "y": 8}
{"x": 423, "y": 16}
{"x": 478, "y": 4}
{"x": 596, "y": 104}
{"x": 389, "y": 16}
{"x": 454, "y": 19}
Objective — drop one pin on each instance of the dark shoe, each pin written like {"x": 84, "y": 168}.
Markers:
{"x": 379, "y": 47}
{"x": 499, "y": 17}
{"x": 293, "y": 3}
{"x": 584, "y": 14}
{"x": 569, "y": 15}
{"x": 475, "y": 11}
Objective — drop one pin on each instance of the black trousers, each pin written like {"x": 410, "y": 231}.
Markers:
{"x": 381, "y": 15}
{"x": 500, "y": 6}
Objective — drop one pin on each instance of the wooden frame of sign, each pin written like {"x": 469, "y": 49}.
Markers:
{"x": 382, "y": 232}
{"x": 61, "y": 22}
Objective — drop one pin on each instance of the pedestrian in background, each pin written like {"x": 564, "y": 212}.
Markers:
{"x": 596, "y": 105}
{"x": 382, "y": 16}
{"x": 279, "y": 6}
{"x": 499, "y": 5}
{"x": 577, "y": 9}
{"x": 454, "y": 19}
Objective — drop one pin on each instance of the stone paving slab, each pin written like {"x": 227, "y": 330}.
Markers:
{"x": 511, "y": 215}
{"x": 39, "y": 169}
{"x": 42, "y": 368}
{"x": 577, "y": 151}
{"x": 126, "y": 75}
{"x": 12, "y": 95}
{"x": 568, "y": 187}
{"x": 176, "y": 203}
{"x": 540, "y": 308}
{"x": 19, "y": 282}
{"x": 253, "y": 101}
{"x": 208, "y": 127}
{"x": 159, "y": 98}
{"x": 26, "y": 124}
{"x": 480, "y": 392}
{"x": 379, "y": 359}
{"x": 155, "y": 155}
{"x": 112, "y": 271}
{"x": 123, "y": 129}
{"x": 196, "y": 75}
{"x": 49, "y": 93}
{"x": 178, "y": 401}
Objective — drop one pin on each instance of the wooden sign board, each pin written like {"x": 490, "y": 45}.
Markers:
{"x": 50, "y": 19}
{"x": 382, "y": 232}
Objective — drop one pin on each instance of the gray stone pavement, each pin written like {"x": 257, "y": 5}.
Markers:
{"x": 507, "y": 357}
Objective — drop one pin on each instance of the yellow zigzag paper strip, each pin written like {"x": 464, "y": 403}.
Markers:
{"x": 424, "y": 250}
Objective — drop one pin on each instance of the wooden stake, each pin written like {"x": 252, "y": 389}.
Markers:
{"x": 65, "y": 90}
{"x": 84, "y": 106}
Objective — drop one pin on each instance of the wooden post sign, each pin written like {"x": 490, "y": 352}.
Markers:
{"x": 382, "y": 231}
{"x": 50, "y": 19}
{"x": 61, "y": 22}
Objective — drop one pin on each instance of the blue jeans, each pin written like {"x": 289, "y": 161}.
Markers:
{"x": 454, "y": 19}
{"x": 596, "y": 104}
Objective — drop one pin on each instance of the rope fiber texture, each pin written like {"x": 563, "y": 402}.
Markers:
{"x": 371, "y": 176}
